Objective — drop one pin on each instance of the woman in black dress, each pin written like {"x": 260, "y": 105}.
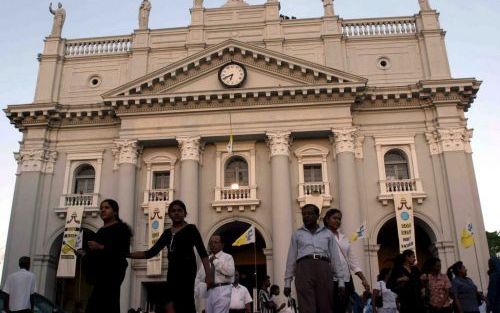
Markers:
{"x": 107, "y": 260}
{"x": 405, "y": 281}
{"x": 179, "y": 240}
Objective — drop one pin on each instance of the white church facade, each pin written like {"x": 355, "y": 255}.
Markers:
{"x": 356, "y": 114}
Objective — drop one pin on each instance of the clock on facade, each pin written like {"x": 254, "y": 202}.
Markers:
{"x": 232, "y": 75}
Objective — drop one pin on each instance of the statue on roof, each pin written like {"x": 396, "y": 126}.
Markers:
{"x": 198, "y": 4}
{"x": 144, "y": 11}
{"x": 59, "y": 18}
{"x": 424, "y": 5}
{"x": 328, "y": 5}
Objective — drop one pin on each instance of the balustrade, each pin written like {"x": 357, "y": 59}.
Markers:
{"x": 98, "y": 46}
{"x": 379, "y": 27}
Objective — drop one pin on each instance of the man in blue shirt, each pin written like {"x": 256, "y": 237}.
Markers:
{"x": 314, "y": 261}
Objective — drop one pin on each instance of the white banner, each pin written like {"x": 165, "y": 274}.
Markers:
{"x": 404, "y": 218}
{"x": 156, "y": 225}
{"x": 67, "y": 260}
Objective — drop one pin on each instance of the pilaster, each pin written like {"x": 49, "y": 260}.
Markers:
{"x": 139, "y": 65}
{"x": 50, "y": 70}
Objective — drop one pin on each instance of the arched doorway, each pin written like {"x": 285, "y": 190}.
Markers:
{"x": 248, "y": 259}
{"x": 72, "y": 294}
{"x": 388, "y": 240}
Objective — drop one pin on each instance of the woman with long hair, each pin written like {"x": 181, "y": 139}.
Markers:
{"x": 405, "y": 281}
{"x": 349, "y": 261}
{"x": 464, "y": 292}
{"x": 107, "y": 254}
{"x": 437, "y": 287}
{"x": 180, "y": 239}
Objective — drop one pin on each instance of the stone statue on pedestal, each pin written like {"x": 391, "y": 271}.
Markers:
{"x": 424, "y": 5}
{"x": 59, "y": 17}
{"x": 328, "y": 5}
{"x": 197, "y": 3}
{"x": 144, "y": 11}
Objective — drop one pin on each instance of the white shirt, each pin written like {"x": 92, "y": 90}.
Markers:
{"x": 349, "y": 262}
{"x": 388, "y": 297}
{"x": 20, "y": 286}
{"x": 239, "y": 297}
{"x": 224, "y": 268}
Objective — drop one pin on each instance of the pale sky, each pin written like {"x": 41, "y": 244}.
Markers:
{"x": 472, "y": 42}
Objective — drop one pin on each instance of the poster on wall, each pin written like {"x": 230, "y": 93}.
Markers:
{"x": 156, "y": 225}
{"x": 70, "y": 243}
{"x": 404, "y": 218}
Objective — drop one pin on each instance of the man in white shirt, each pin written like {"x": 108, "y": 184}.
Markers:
{"x": 222, "y": 271}
{"x": 240, "y": 297}
{"x": 20, "y": 287}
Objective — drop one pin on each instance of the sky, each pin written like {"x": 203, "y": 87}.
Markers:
{"x": 472, "y": 43}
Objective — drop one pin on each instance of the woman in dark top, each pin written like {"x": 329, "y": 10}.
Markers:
{"x": 464, "y": 292}
{"x": 406, "y": 283}
{"x": 107, "y": 260}
{"x": 180, "y": 240}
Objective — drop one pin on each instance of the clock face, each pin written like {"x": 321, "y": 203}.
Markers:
{"x": 232, "y": 75}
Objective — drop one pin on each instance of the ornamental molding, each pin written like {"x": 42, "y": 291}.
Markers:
{"x": 36, "y": 160}
{"x": 190, "y": 148}
{"x": 279, "y": 143}
{"x": 358, "y": 147}
{"x": 346, "y": 140}
{"x": 125, "y": 151}
{"x": 449, "y": 139}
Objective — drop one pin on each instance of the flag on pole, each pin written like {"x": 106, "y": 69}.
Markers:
{"x": 230, "y": 144}
{"x": 247, "y": 237}
{"x": 360, "y": 233}
{"x": 468, "y": 236}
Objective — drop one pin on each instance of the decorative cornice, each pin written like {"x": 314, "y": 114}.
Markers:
{"x": 279, "y": 143}
{"x": 190, "y": 148}
{"x": 345, "y": 139}
{"x": 125, "y": 151}
{"x": 449, "y": 139}
{"x": 36, "y": 160}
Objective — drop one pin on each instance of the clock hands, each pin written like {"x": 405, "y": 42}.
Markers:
{"x": 231, "y": 75}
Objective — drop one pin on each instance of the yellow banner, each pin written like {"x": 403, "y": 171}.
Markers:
{"x": 67, "y": 259}
{"x": 156, "y": 225}
{"x": 404, "y": 218}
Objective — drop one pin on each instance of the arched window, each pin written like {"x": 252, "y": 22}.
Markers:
{"x": 396, "y": 165}
{"x": 236, "y": 172}
{"x": 84, "y": 179}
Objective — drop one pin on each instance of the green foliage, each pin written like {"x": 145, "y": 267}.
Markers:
{"x": 493, "y": 242}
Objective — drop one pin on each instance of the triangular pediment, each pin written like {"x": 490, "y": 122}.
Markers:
{"x": 266, "y": 70}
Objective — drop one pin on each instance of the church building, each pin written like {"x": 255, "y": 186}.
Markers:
{"x": 246, "y": 115}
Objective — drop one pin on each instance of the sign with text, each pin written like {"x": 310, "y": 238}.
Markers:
{"x": 156, "y": 221}
{"x": 405, "y": 221}
{"x": 72, "y": 233}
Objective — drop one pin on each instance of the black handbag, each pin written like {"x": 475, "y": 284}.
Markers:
{"x": 379, "y": 299}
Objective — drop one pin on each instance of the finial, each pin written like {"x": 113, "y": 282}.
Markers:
{"x": 328, "y": 5}
{"x": 424, "y": 5}
{"x": 198, "y": 4}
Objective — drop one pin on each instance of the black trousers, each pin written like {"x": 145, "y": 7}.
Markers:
{"x": 313, "y": 280}
{"x": 237, "y": 311}
{"x": 340, "y": 303}
{"x": 22, "y": 311}
{"x": 105, "y": 298}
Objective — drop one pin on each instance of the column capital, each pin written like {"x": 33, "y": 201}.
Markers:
{"x": 190, "y": 148}
{"x": 125, "y": 151}
{"x": 36, "y": 160}
{"x": 345, "y": 139}
{"x": 449, "y": 139}
{"x": 279, "y": 143}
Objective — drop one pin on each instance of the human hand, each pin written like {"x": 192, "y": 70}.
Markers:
{"x": 366, "y": 284}
{"x": 403, "y": 279}
{"x": 424, "y": 277}
{"x": 94, "y": 245}
{"x": 287, "y": 291}
{"x": 342, "y": 292}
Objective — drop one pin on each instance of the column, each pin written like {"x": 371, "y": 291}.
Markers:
{"x": 282, "y": 209}
{"x": 190, "y": 161}
{"x": 22, "y": 235}
{"x": 126, "y": 153}
{"x": 345, "y": 144}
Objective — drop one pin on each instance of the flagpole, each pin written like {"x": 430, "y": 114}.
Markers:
{"x": 478, "y": 267}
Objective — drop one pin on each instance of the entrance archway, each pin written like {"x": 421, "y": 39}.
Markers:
{"x": 248, "y": 258}
{"x": 72, "y": 294}
{"x": 388, "y": 241}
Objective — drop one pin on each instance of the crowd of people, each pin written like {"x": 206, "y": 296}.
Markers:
{"x": 320, "y": 260}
